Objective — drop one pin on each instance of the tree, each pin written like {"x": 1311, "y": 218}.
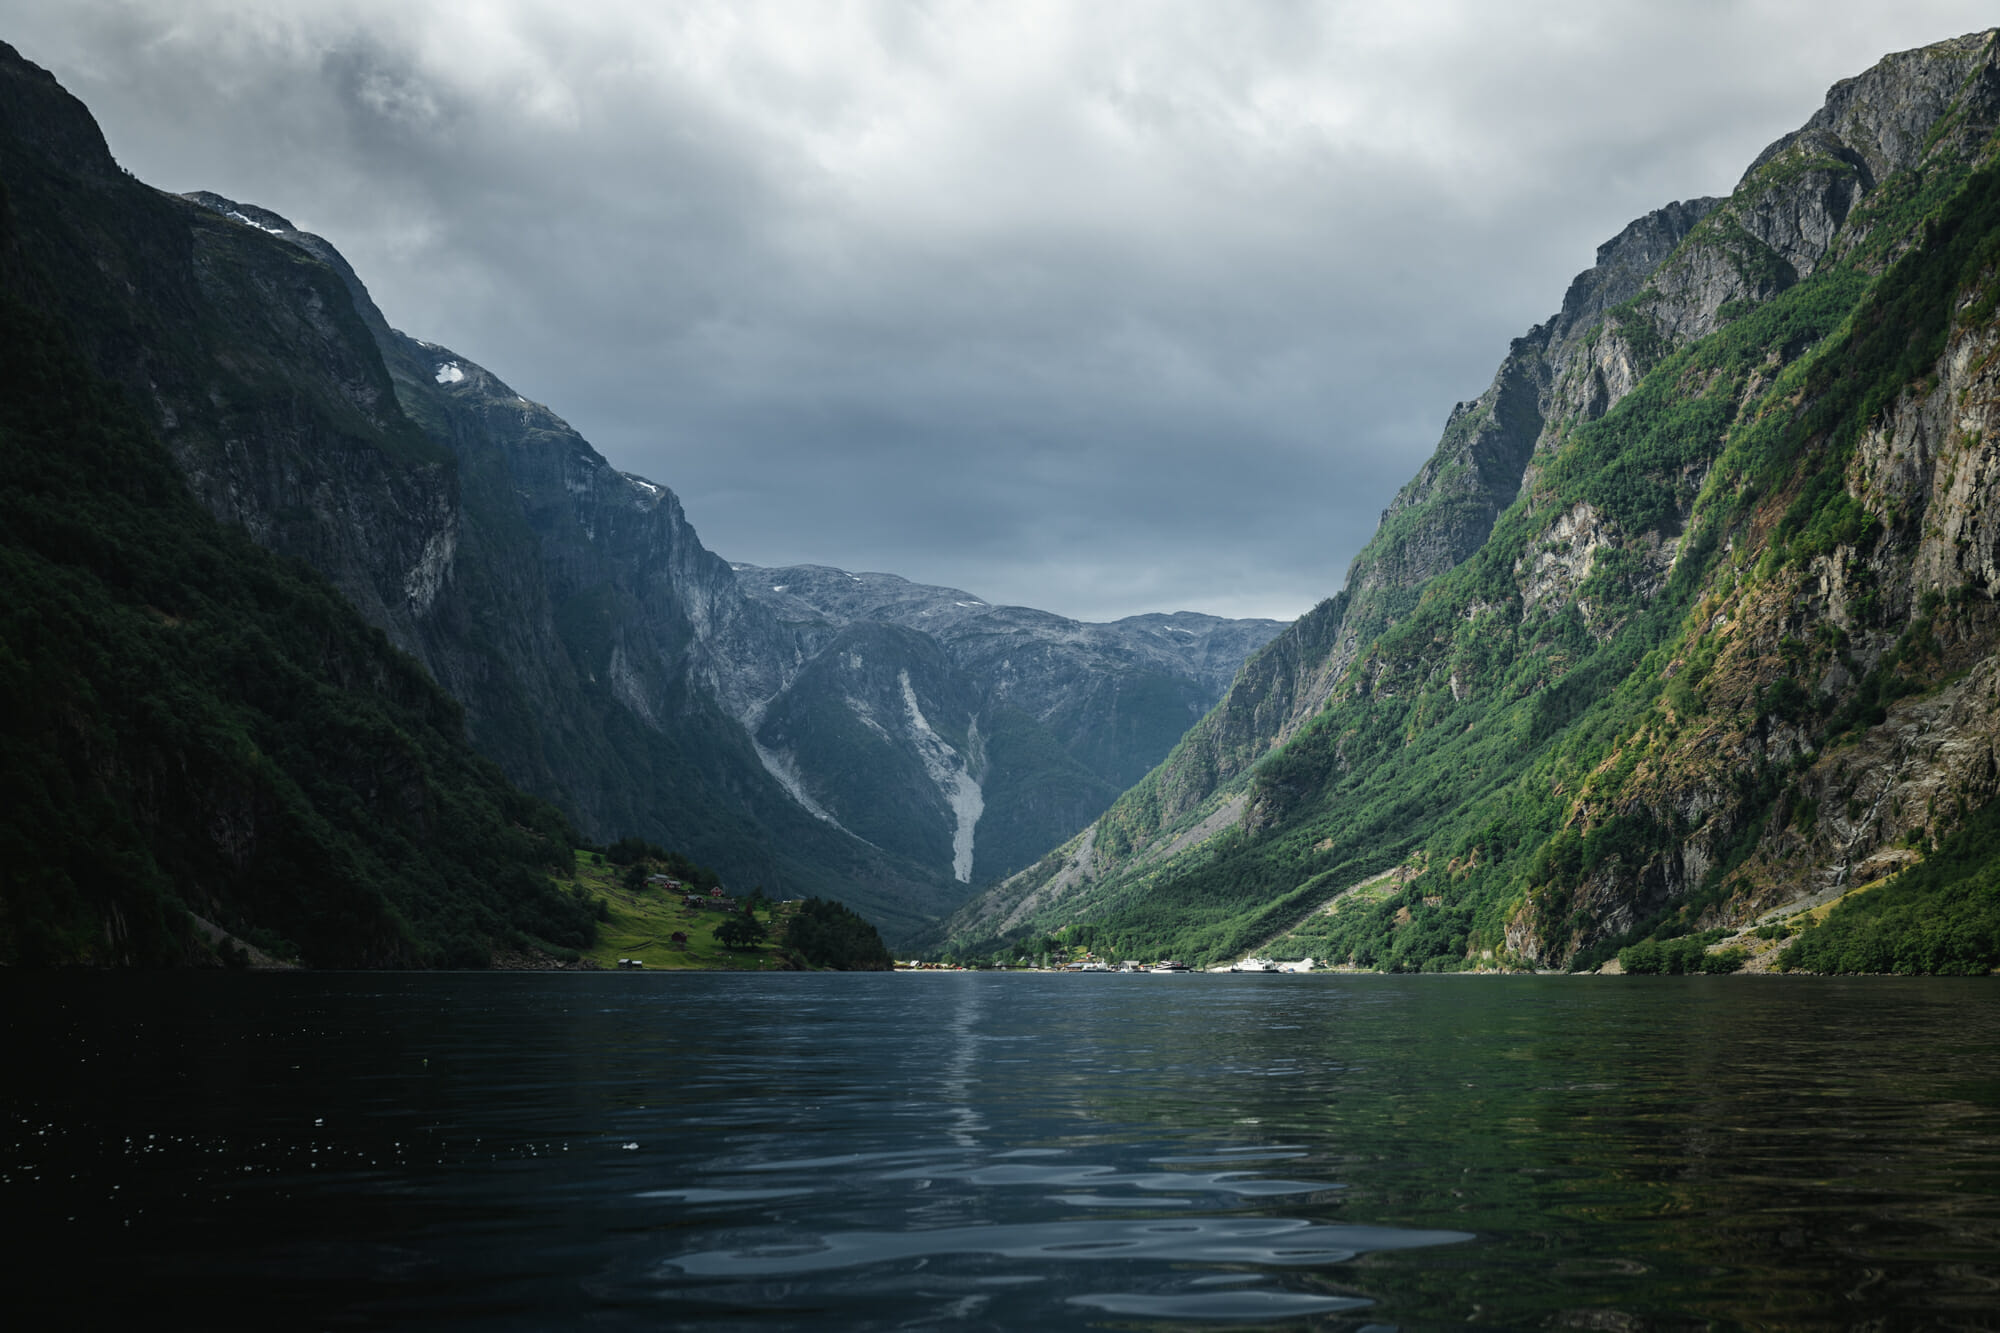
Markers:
{"x": 628, "y": 850}
{"x": 826, "y": 934}
{"x": 740, "y": 932}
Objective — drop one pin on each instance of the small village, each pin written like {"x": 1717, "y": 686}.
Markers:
{"x": 715, "y": 900}
{"x": 1090, "y": 962}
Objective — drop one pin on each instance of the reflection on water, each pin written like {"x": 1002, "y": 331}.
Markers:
{"x": 1219, "y": 1240}
{"x": 519, "y": 1151}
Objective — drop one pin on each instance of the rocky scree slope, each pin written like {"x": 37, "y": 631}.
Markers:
{"x": 1689, "y": 618}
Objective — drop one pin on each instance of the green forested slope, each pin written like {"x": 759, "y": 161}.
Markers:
{"x": 1731, "y": 648}
{"x": 1941, "y": 916}
{"x": 189, "y": 724}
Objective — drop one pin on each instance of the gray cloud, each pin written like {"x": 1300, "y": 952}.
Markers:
{"x": 1099, "y": 308}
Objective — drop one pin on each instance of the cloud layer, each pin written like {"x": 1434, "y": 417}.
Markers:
{"x": 1102, "y": 308}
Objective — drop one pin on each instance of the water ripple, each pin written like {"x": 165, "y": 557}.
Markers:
{"x": 1275, "y": 1241}
{"x": 1233, "y": 1305}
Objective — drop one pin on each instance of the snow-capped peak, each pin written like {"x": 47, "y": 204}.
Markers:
{"x": 275, "y": 231}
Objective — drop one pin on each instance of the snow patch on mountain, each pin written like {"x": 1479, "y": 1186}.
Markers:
{"x": 275, "y": 231}
{"x": 449, "y": 373}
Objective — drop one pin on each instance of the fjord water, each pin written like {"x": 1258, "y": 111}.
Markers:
{"x": 998, "y": 1151}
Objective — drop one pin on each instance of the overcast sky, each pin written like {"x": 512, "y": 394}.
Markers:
{"x": 1092, "y": 306}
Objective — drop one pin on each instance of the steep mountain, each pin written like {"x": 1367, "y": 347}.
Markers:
{"x": 569, "y": 608}
{"x": 204, "y": 745}
{"x": 970, "y": 735}
{"x": 604, "y": 658}
{"x": 1689, "y": 620}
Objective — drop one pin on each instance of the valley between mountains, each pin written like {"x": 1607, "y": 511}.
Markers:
{"x": 1681, "y": 650}
{"x": 809, "y": 732}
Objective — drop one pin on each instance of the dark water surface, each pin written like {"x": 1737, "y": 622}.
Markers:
{"x": 995, "y": 1151}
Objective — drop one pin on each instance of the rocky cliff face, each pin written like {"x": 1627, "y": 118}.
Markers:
{"x": 1566, "y": 370}
{"x": 1858, "y": 680}
{"x": 261, "y": 377}
{"x": 204, "y": 744}
{"x": 1636, "y": 645}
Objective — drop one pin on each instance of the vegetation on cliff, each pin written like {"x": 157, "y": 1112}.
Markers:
{"x": 192, "y": 726}
{"x": 1730, "y": 645}
{"x": 1941, "y": 916}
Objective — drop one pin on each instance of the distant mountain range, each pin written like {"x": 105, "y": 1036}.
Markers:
{"x": 603, "y": 657}
{"x": 1688, "y": 624}
{"x": 931, "y": 723}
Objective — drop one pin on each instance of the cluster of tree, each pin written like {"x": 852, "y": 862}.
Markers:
{"x": 642, "y": 859}
{"x": 1685, "y": 955}
{"x": 825, "y": 933}
{"x": 742, "y": 930}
